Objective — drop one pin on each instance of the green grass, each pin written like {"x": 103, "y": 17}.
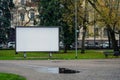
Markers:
{"x": 89, "y": 54}
{"x": 9, "y": 76}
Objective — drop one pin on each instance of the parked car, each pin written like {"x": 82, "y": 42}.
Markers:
{"x": 92, "y": 45}
{"x": 1, "y": 45}
{"x": 105, "y": 45}
{"x": 61, "y": 45}
{"x": 11, "y": 45}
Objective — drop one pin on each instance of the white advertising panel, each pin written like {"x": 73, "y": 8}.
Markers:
{"x": 37, "y": 39}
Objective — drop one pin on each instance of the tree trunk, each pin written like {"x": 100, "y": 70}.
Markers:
{"x": 114, "y": 41}
{"x": 84, "y": 26}
{"x": 65, "y": 48}
{"x": 83, "y": 40}
{"x": 119, "y": 39}
{"x": 109, "y": 37}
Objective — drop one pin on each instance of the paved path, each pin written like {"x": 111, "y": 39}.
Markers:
{"x": 105, "y": 69}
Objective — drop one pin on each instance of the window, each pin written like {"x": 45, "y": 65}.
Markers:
{"x": 11, "y": 16}
{"x": 22, "y": 16}
{"x": 96, "y": 32}
{"x": 87, "y": 33}
{"x": 1, "y": 13}
{"x": 105, "y": 32}
{"x": 34, "y": 0}
{"x": 22, "y": 2}
{"x": 32, "y": 15}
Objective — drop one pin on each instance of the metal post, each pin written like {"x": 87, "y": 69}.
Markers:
{"x": 119, "y": 39}
{"x": 94, "y": 31}
{"x": 76, "y": 29}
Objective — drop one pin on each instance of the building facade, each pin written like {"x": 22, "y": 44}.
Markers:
{"x": 96, "y": 33}
{"x": 25, "y": 13}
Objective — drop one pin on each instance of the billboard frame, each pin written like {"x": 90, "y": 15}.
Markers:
{"x": 36, "y": 27}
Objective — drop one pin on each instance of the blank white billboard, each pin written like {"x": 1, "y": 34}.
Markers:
{"x": 37, "y": 39}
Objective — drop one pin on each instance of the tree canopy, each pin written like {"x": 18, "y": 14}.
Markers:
{"x": 59, "y": 13}
{"x": 109, "y": 14}
{"x": 5, "y": 18}
{"x": 108, "y": 10}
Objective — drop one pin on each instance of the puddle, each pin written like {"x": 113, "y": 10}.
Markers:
{"x": 47, "y": 70}
{"x": 57, "y": 70}
{"x": 67, "y": 71}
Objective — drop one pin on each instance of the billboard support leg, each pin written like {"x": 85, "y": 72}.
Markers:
{"x": 25, "y": 55}
{"x": 50, "y": 55}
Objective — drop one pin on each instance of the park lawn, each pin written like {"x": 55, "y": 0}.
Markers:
{"x": 9, "y": 76}
{"x": 89, "y": 54}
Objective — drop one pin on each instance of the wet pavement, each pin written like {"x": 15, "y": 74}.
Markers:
{"x": 101, "y": 69}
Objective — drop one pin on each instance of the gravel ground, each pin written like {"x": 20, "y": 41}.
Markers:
{"x": 101, "y": 69}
